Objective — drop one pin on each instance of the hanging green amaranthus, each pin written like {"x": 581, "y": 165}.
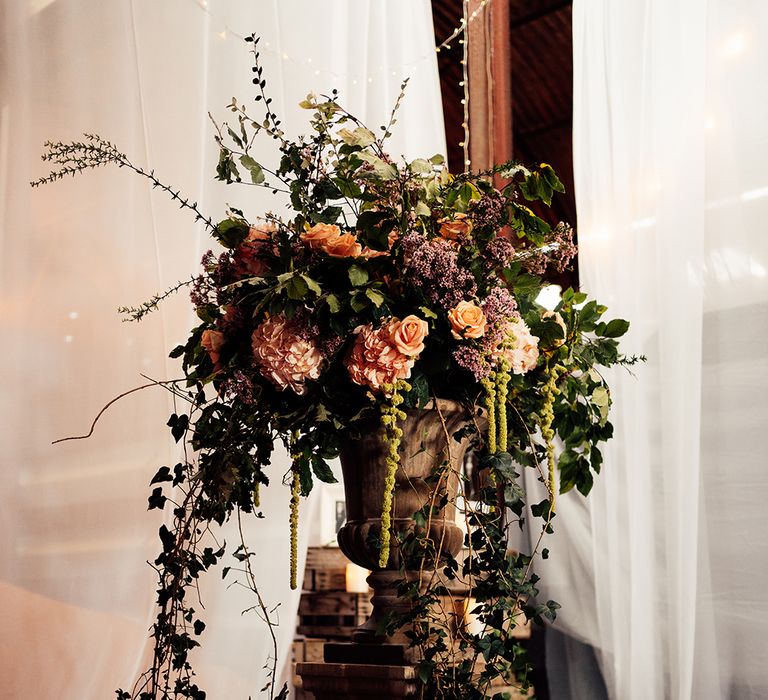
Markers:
{"x": 393, "y": 435}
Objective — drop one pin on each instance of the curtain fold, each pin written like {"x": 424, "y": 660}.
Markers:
{"x": 77, "y": 594}
{"x": 670, "y": 103}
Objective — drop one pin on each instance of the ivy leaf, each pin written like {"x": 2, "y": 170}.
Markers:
{"x": 156, "y": 500}
{"x": 163, "y": 474}
{"x": 540, "y": 510}
{"x": 178, "y": 425}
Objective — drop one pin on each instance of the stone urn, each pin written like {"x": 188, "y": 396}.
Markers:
{"x": 427, "y": 443}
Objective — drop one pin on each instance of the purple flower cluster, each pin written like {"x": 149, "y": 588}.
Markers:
{"x": 565, "y": 250}
{"x": 240, "y": 387}
{"x": 489, "y": 211}
{"x": 499, "y": 252}
{"x": 472, "y": 360}
{"x": 433, "y": 268}
{"x": 206, "y": 288}
{"x": 304, "y": 327}
{"x": 559, "y": 251}
{"x": 499, "y": 307}
{"x": 329, "y": 344}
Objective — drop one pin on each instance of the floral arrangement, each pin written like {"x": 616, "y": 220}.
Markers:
{"x": 387, "y": 285}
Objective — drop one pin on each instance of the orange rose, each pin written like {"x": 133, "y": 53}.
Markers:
{"x": 458, "y": 226}
{"x": 212, "y": 342}
{"x": 344, "y": 246}
{"x": 467, "y": 320}
{"x": 408, "y": 335}
{"x": 320, "y": 234}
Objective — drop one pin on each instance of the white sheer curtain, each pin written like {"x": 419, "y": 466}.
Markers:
{"x": 76, "y": 596}
{"x": 665, "y": 570}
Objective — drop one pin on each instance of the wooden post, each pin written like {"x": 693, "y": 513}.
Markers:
{"x": 490, "y": 85}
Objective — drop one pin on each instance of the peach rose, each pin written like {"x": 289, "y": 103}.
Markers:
{"x": 283, "y": 356}
{"x": 344, "y": 246}
{"x": 320, "y": 234}
{"x": 408, "y": 335}
{"x": 558, "y": 319}
{"x": 459, "y": 226}
{"x": 247, "y": 255}
{"x": 212, "y": 342}
{"x": 467, "y": 320}
{"x": 520, "y": 348}
{"x": 370, "y": 253}
{"x": 374, "y": 361}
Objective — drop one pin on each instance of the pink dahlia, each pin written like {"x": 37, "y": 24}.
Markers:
{"x": 284, "y": 355}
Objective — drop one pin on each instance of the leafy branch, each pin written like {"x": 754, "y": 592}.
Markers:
{"x": 78, "y": 156}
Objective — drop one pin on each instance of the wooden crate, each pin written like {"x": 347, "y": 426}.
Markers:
{"x": 305, "y": 651}
{"x": 325, "y": 570}
{"x": 332, "y": 614}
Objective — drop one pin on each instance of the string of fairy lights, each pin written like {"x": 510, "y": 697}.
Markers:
{"x": 460, "y": 33}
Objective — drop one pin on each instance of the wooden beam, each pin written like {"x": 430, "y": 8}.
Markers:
{"x": 490, "y": 85}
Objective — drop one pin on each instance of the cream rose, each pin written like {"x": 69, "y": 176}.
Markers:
{"x": 520, "y": 348}
{"x": 467, "y": 320}
{"x": 408, "y": 335}
{"x": 558, "y": 319}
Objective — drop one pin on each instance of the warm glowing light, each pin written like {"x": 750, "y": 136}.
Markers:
{"x": 222, "y": 34}
{"x": 754, "y": 194}
{"x": 356, "y": 579}
{"x": 757, "y": 269}
{"x": 73, "y": 315}
{"x": 549, "y": 296}
{"x": 710, "y": 123}
{"x": 68, "y": 338}
{"x": 646, "y": 222}
{"x": 735, "y": 45}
